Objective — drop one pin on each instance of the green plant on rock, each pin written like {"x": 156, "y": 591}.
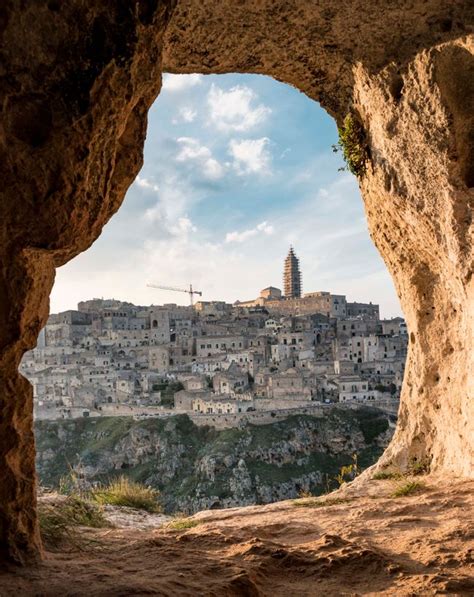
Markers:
{"x": 353, "y": 144}
{"x": 408, "y": 488}
{"x": 383, "y": 475}
{"x": 419, "y": 467}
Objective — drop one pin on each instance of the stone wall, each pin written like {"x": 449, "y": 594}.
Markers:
{"x": 228, "y": 421}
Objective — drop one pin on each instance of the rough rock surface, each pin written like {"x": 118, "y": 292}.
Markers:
{"x": 369, "y": 545}
{"x": 77, "y": 80}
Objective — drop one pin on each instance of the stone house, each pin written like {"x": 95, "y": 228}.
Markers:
{"x": 353, "y": 388}
{"x": 219, "y": 405}
{"x": 232, "y": 381}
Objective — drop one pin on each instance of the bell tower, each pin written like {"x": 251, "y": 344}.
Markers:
{"x": 292, "y": 276}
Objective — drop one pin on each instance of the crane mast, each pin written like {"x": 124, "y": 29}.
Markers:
{"x": 189, "y": 291}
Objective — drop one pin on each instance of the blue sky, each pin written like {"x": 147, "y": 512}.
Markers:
{"x": 237, "y": 168}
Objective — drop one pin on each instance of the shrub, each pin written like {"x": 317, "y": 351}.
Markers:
{"x": 348, "y": 472}
{"x": 353, "y": 145}
{"x": 124, "y": 492}
{"x": 408, "y": 488}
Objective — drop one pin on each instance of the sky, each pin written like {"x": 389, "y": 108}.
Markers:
{"x": 236, "y": 169}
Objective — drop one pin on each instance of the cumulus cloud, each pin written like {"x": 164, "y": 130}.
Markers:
{"x": 187, "y": 114}
{"x": 183, "y": 227}
{"x": 175, "y": 198}
{"x": 234, "y": 110}
{"x": 145, "y": 183}
{"x": 250, "y": 156}
{"x": 240, "y": 237}
{"x": 192, "y": 150}
{"x": 180, "y": 82}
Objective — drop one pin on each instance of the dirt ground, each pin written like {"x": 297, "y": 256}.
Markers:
{"x": 420, "y": 544}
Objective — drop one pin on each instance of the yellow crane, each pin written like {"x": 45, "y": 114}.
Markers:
{"x": 191, "y": 292}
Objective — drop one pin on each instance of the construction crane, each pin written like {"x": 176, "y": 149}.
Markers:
{"x": 191, "y": 292}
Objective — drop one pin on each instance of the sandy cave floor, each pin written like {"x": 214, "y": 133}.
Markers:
{"x": 421, "y": 544}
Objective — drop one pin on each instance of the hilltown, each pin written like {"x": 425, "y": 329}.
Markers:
{"x": 273, "y": 355}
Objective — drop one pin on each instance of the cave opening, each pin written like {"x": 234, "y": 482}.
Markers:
{"x": 409, "y": 91}
{"x": 224, "y": 191}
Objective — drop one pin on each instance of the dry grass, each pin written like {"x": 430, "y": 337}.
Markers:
{"x": 320, "y": 502}
{"x": 124, "y": 492}
{"x": 59, "y": 521}
{"x": 182, "y": 523}
{"x": 383, "y": 475}
{"x": 408, "y": 488}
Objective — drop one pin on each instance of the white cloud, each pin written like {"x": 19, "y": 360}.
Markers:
{"x": 174, "y": 199}
{"x": 240, "y": 237}
{"x": 212, "y": 169}
{"x": 187, "y": 114}
{"x": 180, "y": 82}
{"x": 192, "y": 150}
{"x": 250, "y": 155}
{"x": 144, "y": 183}
{"x": 233, "y": 111}
{"x": 183, "y": 227}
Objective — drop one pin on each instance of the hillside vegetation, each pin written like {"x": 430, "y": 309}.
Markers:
{"x": 198, "y": 468}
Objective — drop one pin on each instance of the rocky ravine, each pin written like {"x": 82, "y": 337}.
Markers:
{"x": 199, "y": 468}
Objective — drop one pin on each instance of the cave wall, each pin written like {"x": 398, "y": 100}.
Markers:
{"x": 75, "y": 91}
{"x": 77, "y": 80}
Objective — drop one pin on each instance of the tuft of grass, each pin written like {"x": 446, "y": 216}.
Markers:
{"x": 382, "y": 475}
{"x": 181, "y": 524}
{"x": 124, "y": 492}
{"x": 352, "y": 142}
{"x": 408, "y": 488}
{"x": 320, "y": 503}
{"x": 59, "y": 521}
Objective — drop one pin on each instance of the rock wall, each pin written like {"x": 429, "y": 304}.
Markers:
{"x": 77, "y": 80}
{"x": 198, "y": 468}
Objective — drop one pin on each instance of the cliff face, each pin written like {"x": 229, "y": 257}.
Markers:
{"x": 199, "y": 468}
